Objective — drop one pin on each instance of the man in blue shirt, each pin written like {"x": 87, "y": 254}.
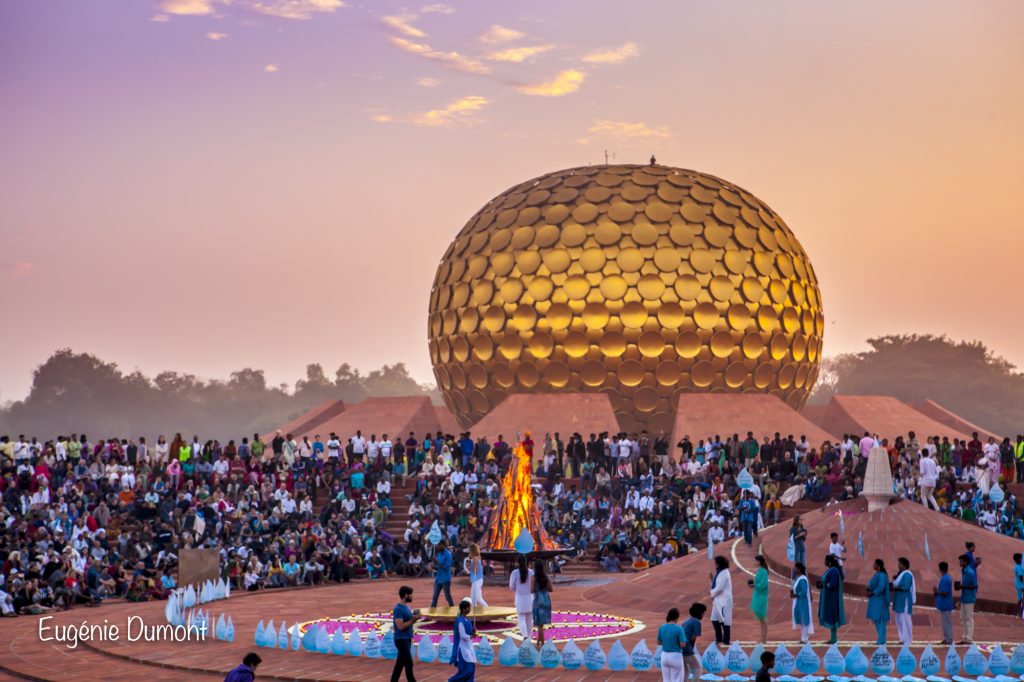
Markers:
{"x": 968, "y": 586}
{"x": 466, "y": 446}
{"x": 973, "y": 561}
{"x": 246, "y": 672}
{"x": 442, "y": 574}
{"x": 691, "y": 631}
{"x": 404, "y": 618}
{"x": 944, "y": 602}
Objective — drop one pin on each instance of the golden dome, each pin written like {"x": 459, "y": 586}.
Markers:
{"x": 639, "y": 281}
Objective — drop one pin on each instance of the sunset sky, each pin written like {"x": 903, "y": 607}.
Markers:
{"x": 204, "y": 185}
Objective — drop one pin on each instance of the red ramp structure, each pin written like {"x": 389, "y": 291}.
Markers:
{"x": 884, "y": 415}
{"x": 699, "y": 415}
{"x": 542, "y": 413}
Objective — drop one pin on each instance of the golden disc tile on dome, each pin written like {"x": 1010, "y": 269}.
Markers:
{"x": 539, "y": 288}
{"x": 786, "y": 375}
{"x": 506, "y": 218}
{"x": 564, "y": 195}
{"x": 510, "y": 346}
{"x": 784, "y": 264}
{"x": 739, "y": 317}
{"x": 524, "y": 318}
{"x": 514, "y": 198}
{"x": 477, "y": 375}
{"x": 540, "y": 345}
{"x": 500, "y": 239}
{"x": 511, "y": 290}
{"x": 721, "y": 287}
{"x": 650, "y": 287}
{"x": 645, "y": 179}
{"x": 730, "y": 197}
{"x": 779, "y": 346}
{"x": 801, "y": 375}
{"x": 503, "y": 375}
{"x": 556, "y": 260}
{"x": 477, "y": 242}
{"x": 584, "y": 213}
{"x": 702, "y": 260}
{"x": 715, "y": 234}
{"x": 706, "y": 315}
{"x": 646, "y": 399}
{"x": 799, "y": 347}
{"x": 576, "y": 180}
{"x": 819, "y": 325}
{"x": 485, "y": 220}
{"x": 573, "y": 234}
{"x": 667, "y": 373}
{"x": 559, "y": 316}
{"x": 460, "y": 294}
{"x": 667, "y": 259}
{"x": 576, "y": 344}
{"x": 460, "y": 348}
{"x": 679, "y": 179}
{"x": 592, "y": 260}
{"x": 630, "y": 260}
{"x": 597, "y": 195}
{"x": 807, "y": 322}
{"x": 494, "y": 318}
{"x": 670, "y": 315}
{"x": 801, "y": 267}
{"x": 607, "y": 233}
{"x": 790, "y": 319}
{"x": 613, "y": 287}
{"x": 612, "y": 344}
{"x": 694, "y": 213}
{"x": 546, "y": 235}
{"x": 767, "y": 318}
{"x": 483, "y": 347}
{"x": 644, "y": 234}
{"x": 736, "y": 374}
{"x": 798, "y": 293}
{"x": 633, "y": 315}
{"x": 621, "y": 212}
{"x": 631, "y": 192}
{"x": 777, "y": 291}
{"x": 557, "y": 374}
{"x": 783, "y": 240}
{"x": 469, "y": 320}
{"x": 482, "y": 292}
{"x": 764, "y": 375}
{"x": 477, "y": 266}
{"x": 593, "y": 373}
{"x": 722, "y": 344}
{"x": 687, "y": 287}
{"x": 444, "y": 350}
{"x": 688, "y": 345}
{"x": 556, "y": 213}
{"x": 528, "y": 215}
{"x": 631, "y": 373}
{"x": 522, "y": 237}
{"x": 746, "y": 236}
{"x": 764, "y": 263}
{"x": 595, "y": 315}
{"x": 659, "y": 212}
{"x": 609, "y": 180}
{"x": 443, "y": 377}
{"x": 724, "y": 213}
{"x": 751, "y": 217}
{"x": 671, "y": 194}
{"x": 528, "y": 262}
{"x": 527, "y": 375}
{"x": 448, "y": 322}
{"x": 651, "y": 344}
{"x": 703, "y": 374}
{"x": 752, "y": 289}
{"x": 458, "y": 266}
{"x": 576, "y": 287}
{"x": 736, "y": 261}
{"x": 812, "y": 350}
{"x": 753, "y": 345}
{"x": 681, "y": 233}
{"x": 703, "y": 194}
{"x": 537, "y": 197}
{"x": 478, "y": 401}
{"x": 767, "y": 238}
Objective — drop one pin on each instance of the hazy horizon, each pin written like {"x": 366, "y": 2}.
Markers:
{"x": 202, "y": 186}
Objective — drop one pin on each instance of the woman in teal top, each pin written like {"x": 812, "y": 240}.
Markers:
{"x": 672, "y": 640}
{"x": 878, "y": 600}
{"x": 759, "y": 601}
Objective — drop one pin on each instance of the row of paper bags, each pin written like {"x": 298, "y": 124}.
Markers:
{"x": 734, "y": 659}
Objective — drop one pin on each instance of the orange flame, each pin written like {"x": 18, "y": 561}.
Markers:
{"x": 516, "y": 509}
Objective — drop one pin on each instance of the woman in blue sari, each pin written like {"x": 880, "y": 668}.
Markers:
{"x": 878, "y": 600}
{"x": 463, "y": 653}
{"x": 830, "y": 605}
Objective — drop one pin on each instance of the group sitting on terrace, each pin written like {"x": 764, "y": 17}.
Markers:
{"x": 82, "y": 521}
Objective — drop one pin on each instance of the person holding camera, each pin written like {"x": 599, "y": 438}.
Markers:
{"x": 404, "y": 618}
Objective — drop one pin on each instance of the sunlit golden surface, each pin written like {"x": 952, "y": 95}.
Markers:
{"x": 639, "y": 281}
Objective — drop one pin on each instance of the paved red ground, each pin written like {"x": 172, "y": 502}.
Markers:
{"x": 645, "y": 596}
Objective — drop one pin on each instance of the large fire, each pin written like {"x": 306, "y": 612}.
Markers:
{"x": 516, "y": 509}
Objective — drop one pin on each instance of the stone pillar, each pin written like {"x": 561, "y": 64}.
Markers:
{"x": 878, "y": 480}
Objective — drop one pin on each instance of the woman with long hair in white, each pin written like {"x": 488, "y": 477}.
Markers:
{"x": 521, "y": 582}
{"x": 476, "y": 576}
